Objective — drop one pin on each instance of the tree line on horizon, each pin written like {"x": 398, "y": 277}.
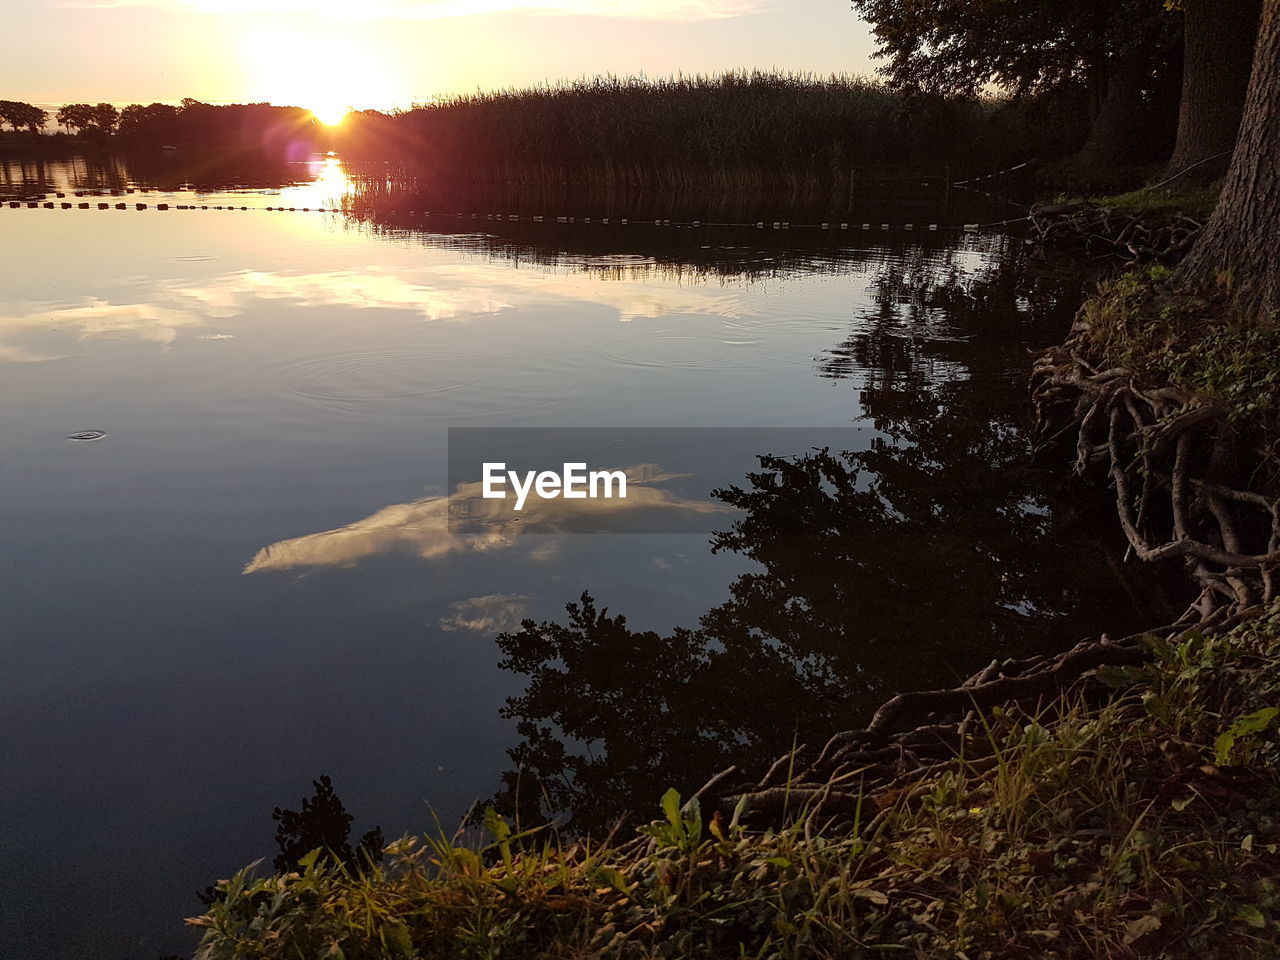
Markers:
{"x": 159, "y": 124}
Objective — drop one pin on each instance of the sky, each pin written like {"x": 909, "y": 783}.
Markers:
{"x": 388, "y": 53}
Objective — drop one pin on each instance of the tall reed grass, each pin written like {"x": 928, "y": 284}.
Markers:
{"x": 761, "y": 128}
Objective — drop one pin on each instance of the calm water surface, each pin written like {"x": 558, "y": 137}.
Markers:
{"x": 235, "y": 590}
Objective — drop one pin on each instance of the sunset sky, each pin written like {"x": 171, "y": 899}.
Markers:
{"x": 384, "y": 53}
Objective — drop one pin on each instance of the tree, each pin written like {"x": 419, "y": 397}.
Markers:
{"x": 1113, "y": 48}
{"x": 322, "y": 824}
{"x": 22, "y": 116}
{"x": 75, "y": 116}
{"x": 1218, "y": 41}
{"x": 1238, "y": 246}
{"x": 153, "y": 124}
{"x": 105, "y": 118}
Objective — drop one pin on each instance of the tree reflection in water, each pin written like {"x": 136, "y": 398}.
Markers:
{"x": 904, "y": 566}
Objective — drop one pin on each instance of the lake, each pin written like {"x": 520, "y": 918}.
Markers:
{"x": 234, "y": 581}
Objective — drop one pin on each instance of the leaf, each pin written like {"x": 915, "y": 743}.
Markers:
{"x": 1251, "y": 915}
{"x": 614, "y": 879}
{"x": 1137, "y": 929}
{"x": 671, "y": 806}
{"x": 396, "y": 936}
{"x": 878, "y": 897}
{"x": 1245, "y": 726}
{"x": 498, "y": 828}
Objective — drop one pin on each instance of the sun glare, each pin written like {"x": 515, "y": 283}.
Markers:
{"x": 330, "y": 115}
{"x": 298, "y": 73}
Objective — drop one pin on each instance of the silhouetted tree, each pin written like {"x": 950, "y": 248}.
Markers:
{"x": 22, "y": 116}
{"x": 151, "y": 125}
{"x": 324, "y": 824}
{"x": 105, "y": 119}
{"x": 76, "y": 116}
{"x": 1113, "y": 48}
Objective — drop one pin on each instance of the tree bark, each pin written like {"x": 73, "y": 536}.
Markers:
{"x": 1237, "y": 249}
{"x": 1110, "y": 135}
{"x": 1218, "y": 41}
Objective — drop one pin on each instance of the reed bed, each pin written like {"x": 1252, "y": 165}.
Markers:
{"x": 737, "y": 129}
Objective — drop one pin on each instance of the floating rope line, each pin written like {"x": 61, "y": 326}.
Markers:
{"x": 515, "y": 217}
{"x": 992, "y": 176}
{"x": 40, "y": 201}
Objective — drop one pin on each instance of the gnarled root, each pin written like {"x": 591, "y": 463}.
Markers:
{"x": 1184, "y": 492}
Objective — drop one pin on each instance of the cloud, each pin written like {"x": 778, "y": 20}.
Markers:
{"x": 423, "y": 527}
{"x": 492, "y": 613}
{"x": 174, "y": 306}
{"x": 92, "y": 317}
{"x": 373, "y": 288}
{"x": 680, "y": 11}
{"x": 439, "y": 292}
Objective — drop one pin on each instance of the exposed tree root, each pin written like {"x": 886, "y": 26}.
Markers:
{"x": 1184, "y": 490}
{"x": 1098, "y": 228}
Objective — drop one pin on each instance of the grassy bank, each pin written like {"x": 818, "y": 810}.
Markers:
{"x": 1224, "y": 353}
{"x": 1163, "y": 204}
{"x": 1141, "y": 823}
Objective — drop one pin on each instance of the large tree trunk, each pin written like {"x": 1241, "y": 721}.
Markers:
{"x": 1238, "y": 248}
{"x": 1218, "y": 42}
{"x": 1110, "y": 136}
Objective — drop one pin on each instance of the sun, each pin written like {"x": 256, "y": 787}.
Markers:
{"x": 330, "y": 114}
{"x": 294, "y": 74}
